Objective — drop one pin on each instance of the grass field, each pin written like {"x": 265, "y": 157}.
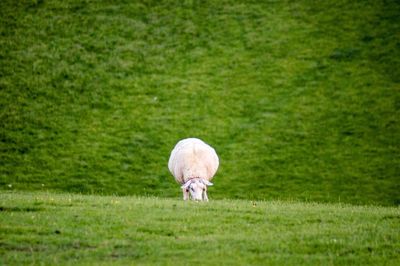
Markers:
{"x": 299, "y": 98}
{"x": 70, "y": 229}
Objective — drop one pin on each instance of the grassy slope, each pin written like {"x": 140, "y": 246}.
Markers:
{"x": 58, "y": 229}
{"x": 301, "y": 100}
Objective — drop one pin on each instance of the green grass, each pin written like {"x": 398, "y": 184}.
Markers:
{"x": 70, "y": 229}
{"x": 299, "y": 98}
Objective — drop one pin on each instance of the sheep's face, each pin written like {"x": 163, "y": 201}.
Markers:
{"x": 197, "y": 188}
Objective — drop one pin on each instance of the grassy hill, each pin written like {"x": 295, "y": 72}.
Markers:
{"x": 299, "y": 98}
{"x": 68, "y": 229}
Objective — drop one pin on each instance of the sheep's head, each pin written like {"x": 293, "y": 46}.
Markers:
{"x": 197, "y": 188}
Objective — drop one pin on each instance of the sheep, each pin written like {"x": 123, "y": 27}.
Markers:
{"x": 193, "y": 163}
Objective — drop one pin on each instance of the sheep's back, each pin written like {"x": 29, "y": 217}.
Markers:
{"x": 193, "y": 158}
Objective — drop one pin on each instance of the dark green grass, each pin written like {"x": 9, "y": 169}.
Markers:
{"x": 299, "y": 98}
{"x": 65, "y": 229}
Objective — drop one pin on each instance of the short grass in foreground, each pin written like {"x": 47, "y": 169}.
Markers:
{"x": 54, "y": 229}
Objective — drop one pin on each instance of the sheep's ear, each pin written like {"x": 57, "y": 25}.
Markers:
{"x": 186, "y": 185}
{"x": 206, "y": 182}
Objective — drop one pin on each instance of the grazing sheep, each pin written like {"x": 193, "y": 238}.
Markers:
{"x": 193, "y": 163}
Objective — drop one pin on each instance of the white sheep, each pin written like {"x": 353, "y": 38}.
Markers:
{"x": 193, "y": 163}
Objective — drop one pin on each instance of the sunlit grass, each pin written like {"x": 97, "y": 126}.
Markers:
{"x": 49, "y": 229}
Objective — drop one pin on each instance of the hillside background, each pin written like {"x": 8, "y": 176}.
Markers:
{"x": 301, "y": 99}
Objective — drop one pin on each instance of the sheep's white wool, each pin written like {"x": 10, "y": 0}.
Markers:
{"x": 193, "y": 159}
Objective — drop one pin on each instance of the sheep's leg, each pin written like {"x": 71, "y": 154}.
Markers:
{"x": 185, "y": 194}
{"x": 205, "y": 198}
